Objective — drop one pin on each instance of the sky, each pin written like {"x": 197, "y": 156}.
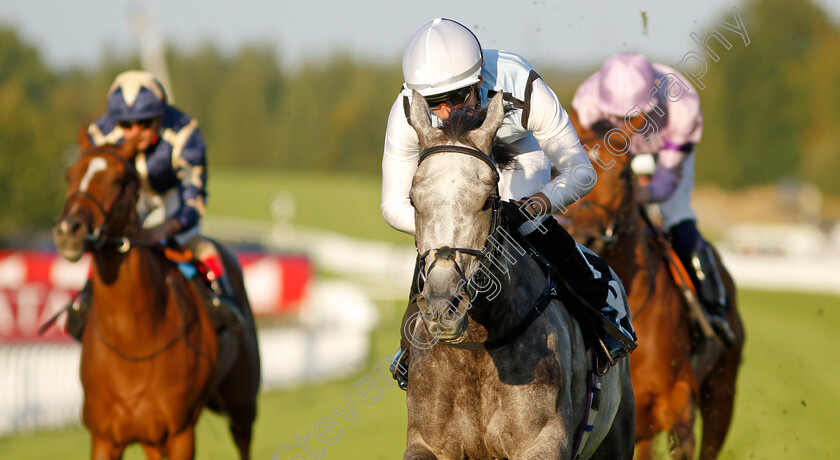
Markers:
{"x": 573, "y": 34}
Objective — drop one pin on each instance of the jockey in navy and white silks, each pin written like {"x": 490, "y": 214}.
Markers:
{"x": 629, "y": 86}
{"x": 444, "y": 62}
{"x": 171, "y": 166}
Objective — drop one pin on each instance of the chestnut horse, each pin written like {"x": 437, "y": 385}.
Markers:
{"x": 674, "y": 370}
{"x": 151, "y": 358}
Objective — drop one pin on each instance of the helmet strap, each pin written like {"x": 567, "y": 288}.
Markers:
{"x": 477, "y": 91}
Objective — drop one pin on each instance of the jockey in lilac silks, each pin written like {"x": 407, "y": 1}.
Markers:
{"x": 629, "y": 86}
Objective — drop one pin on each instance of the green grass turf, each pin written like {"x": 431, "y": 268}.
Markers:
{"x": 787, "y": 401}
{"x": 788, "y": 395}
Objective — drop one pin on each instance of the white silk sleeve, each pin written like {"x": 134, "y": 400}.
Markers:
{"x": 557, "y": 137}
{"x": 399, "y": 162}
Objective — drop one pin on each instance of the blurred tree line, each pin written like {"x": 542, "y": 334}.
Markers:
{"x": 771, "y": 109}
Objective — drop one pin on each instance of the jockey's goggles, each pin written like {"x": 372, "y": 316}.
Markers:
{"x": 144, "y": 123}
{"x": 452, "y": 98}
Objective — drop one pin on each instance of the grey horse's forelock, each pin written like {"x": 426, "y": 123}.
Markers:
{"x": 466, "y": 119}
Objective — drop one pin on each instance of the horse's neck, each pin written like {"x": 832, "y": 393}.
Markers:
{"x": 631, "y": 257}
{"x": 124, "y": 290}
{"x": 496, "y": 316}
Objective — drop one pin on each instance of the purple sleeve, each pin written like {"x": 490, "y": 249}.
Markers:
{"x": 663, "y": 183}
{"x": 668, "y": 172}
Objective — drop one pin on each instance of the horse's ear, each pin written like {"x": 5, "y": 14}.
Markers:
{"x": 582, "y": 131}
{"x": 574, "y": 119}
{"x": 420, "y": 118}
{"x": 128, "y": 149}
{"x": 484, "y": 135}
{"x": 83, "y": 139}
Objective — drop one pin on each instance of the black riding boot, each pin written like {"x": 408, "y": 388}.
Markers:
{"x": 77, "y": 312}
{"x": 221, "y": 295}
{"x": 705, "y": 274}
{"x": 588, "y": 276}
{"x": 399, "y": 366}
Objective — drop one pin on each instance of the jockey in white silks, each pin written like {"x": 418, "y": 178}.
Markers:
{"x": 628, "y": 86}
{"x": 172, "y": 169}
{"x": 444, "y": 62}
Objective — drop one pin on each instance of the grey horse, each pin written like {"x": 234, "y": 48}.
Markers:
{"x": 525, "y": 397}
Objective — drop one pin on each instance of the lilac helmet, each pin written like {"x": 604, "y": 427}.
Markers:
{"x": 136, "y": 95}
{"x": 625, "y": 81}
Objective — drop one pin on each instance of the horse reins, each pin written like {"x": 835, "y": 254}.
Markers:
{"x": 620, "y": 222}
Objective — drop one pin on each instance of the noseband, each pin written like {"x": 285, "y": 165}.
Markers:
{"x": 447, "y": 252}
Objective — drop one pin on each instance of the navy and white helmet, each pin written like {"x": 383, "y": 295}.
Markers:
{"x": 136, "y": 95}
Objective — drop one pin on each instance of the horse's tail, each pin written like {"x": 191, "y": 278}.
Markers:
{"x": 236, "y": 392}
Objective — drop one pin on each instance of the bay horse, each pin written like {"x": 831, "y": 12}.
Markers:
{"x": 485, "y": 382}
{"x": 674, "y": 370}
{"x": 151, "y": 358}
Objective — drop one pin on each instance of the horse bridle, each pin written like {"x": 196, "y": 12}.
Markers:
{"x": 97, "y": 239}
{"x": 620, "y": 220}
{"x": 448, "y": 252}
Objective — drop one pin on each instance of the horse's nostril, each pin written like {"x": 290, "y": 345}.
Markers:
{"x": 70, "y": 227}
{"x": 451, "y": 316}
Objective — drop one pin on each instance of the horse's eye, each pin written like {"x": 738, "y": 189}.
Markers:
{"x": 489, "y": 202}
{"x": 411, "y": 202}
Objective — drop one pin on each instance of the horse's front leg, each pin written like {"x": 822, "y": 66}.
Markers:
{"x": 418, "y": 451}
{"x": 644, "y": 449}
{"x": 544, "y": 450}
{"x": 104, "y": 449}
{"x": 152, "y": 452}
{"x": 182, "y": 445}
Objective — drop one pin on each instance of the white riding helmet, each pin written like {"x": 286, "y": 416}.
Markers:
{"x": 625, "y": 80}
{"x": 442, "y": 56}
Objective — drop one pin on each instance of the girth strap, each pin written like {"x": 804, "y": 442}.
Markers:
{"x": 609, "y": 327}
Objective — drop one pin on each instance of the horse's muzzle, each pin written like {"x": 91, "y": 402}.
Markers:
{"x": 445, "y": 320}
{"x": 69, "y": 237}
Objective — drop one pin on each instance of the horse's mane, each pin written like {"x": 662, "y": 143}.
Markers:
{"x": 466, "y": 119}
{"x": 601, "y": 127}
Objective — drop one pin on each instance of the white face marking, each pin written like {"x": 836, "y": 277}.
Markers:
{"x": 96, "y": 165}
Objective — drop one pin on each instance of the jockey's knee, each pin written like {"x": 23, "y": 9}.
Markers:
{"x": 201, "y": 247}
